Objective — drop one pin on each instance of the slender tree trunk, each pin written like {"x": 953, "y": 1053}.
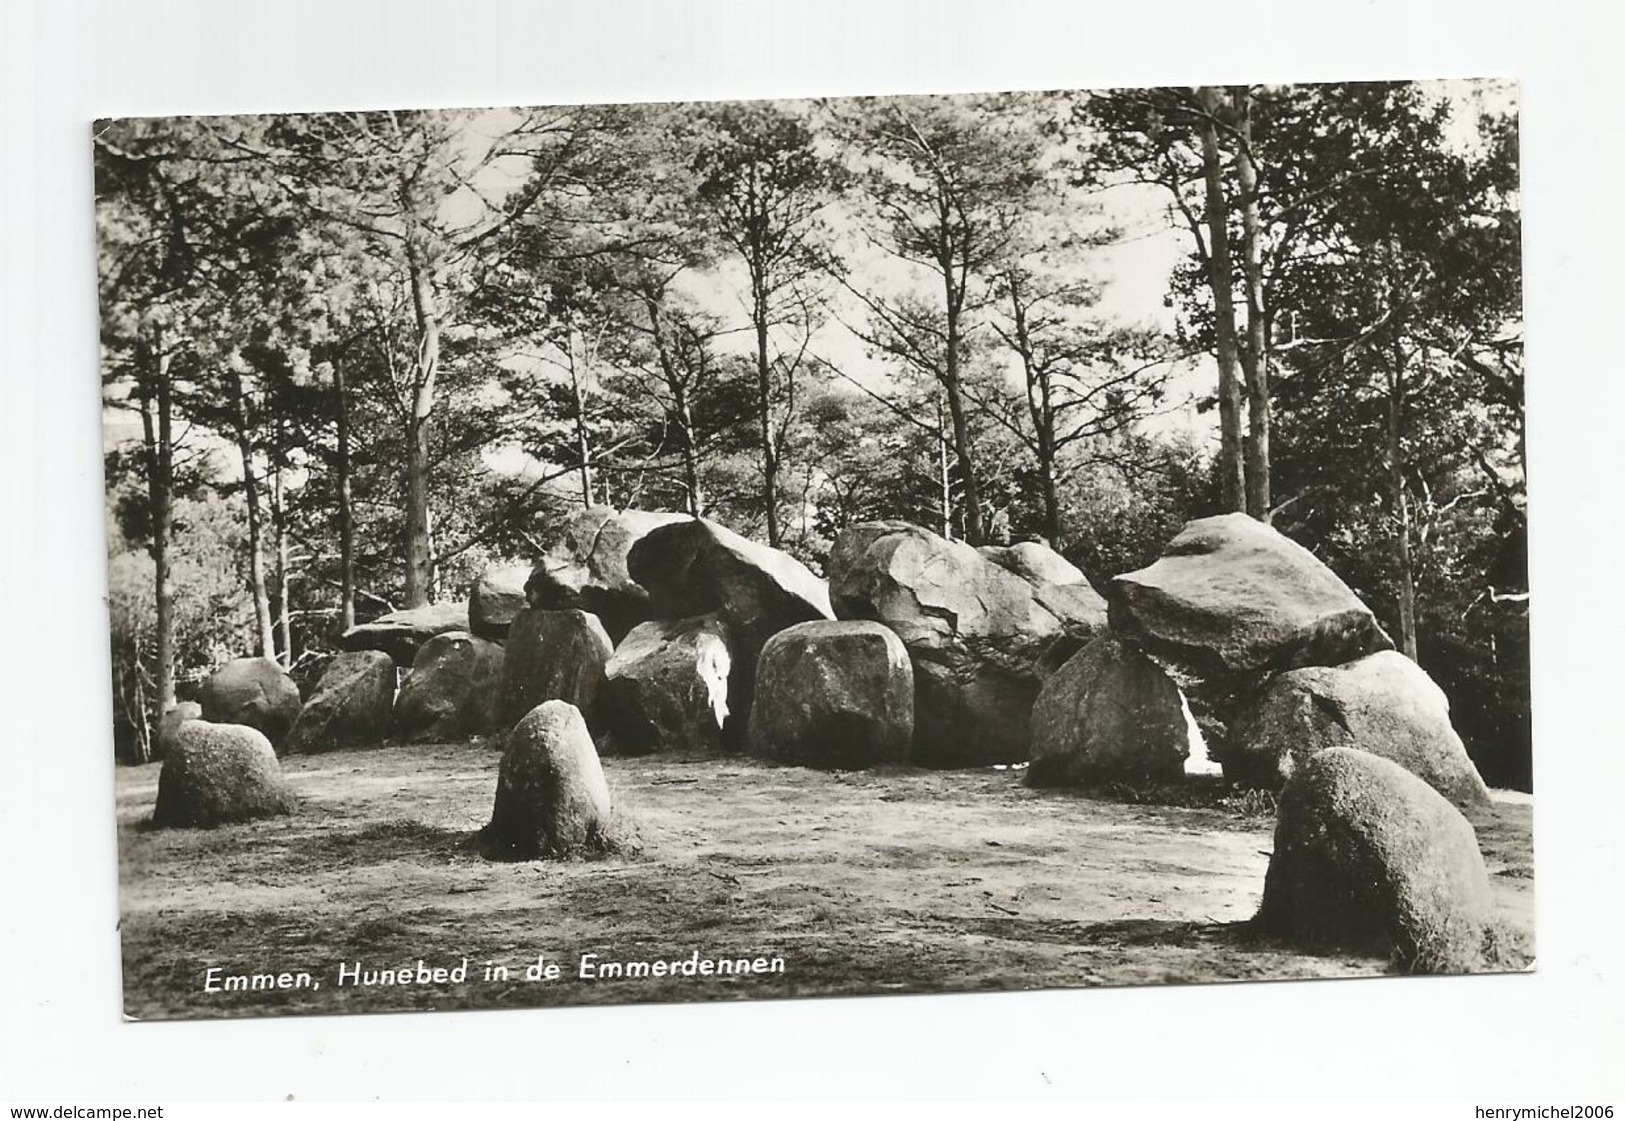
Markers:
{"x": 578, "y": 401}
{"x": 691, "y": 464}
{"x": 1232, "y": 466}
{"x": 1256, "y": 358}
{"x": 975, "y": 534}
{"x": 764, "y": 406}
{"x": 1402, "y": 506}
{"x": 279, "y": 529}
{"x": 419, "y": 549}
{"x": 943, "y": 477}
{"x": 1041, "y": 410}
{"x": 256, "y": 558}
{"x": 345, "y": 511}
{"x": 157, "y": 431}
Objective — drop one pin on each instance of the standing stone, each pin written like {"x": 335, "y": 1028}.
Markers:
{"x": 1108, "y": 714}
{"x": 1370, "y": 857}
{"x": 588, "y": 568}
{"x": 496, "y": 597}
{"x": 553, "y": 656}
{"x": 401, "y": 634}
{"x": 252, "y": 691}
{"x": 666, "y": 687}
{"x": 834, "y": 695}
{"x": 696, "y": 567}
{"x": 351, "y": 704}
{"x": 1231, "y": 595}
{"x": 1383, "y": 703}
{"x": 452, "y": 691}
{"x": 982, "y": 639}
{"x": 219, "y": 774}
{"x": 171, "y": 722}
{"x": 551, "y": 800}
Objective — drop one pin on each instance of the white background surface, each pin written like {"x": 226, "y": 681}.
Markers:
{"x": 1552, "y": 1037}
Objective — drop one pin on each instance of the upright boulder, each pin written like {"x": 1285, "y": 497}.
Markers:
{"x": 1232, "y": 595}
{"x": 981, "y": 638}
{"x": 834, "y": 694}
{"x": 171, "y": 722}
{"x": 666, "y": 687}
{"x": 496, "y": 597}
{"x": 219, "y": 774}
{"x": 350, "y": 705}
{"x": 552, "y": 800}
{"x": 452, "y": 691}
{"x": 252, "y": 691}
{"x": 552, "y": 656}
{"x": 1369, "y": 857}
{"x": 1108, "y": 714}
{"x": 697, "y": 567}
{"x": 401, "y": 634}
{"x": 587, "y": 569}
{"x": 1383, "y": 703}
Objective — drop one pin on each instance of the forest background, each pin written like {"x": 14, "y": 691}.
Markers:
{"x": 350, "y": 360}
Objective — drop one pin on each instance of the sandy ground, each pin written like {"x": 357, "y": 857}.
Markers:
{"x": 890, "y": 881}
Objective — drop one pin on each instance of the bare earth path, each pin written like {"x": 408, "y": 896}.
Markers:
{"x": 895, "y": 881}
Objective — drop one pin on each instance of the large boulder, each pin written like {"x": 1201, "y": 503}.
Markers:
{"x": 170, "y": 723}
{"x": 401, "y": 634}
{"x": 1108, "y": 714}
{"x": 587, "y": 569}
{"x": 453, "y": 690}
{"x": 1232, "y": 595}
{"x": 496, "y": 597}
{"x": 552, "y": 799}
{"x": 834, "y": 695}
{"x": 666, "y": 687}
{"x": 696, "y": 567}
{"x": 350, "y": 705}
{"x": 218, "y": 774}
{"x": 252, "y": 691}
{"x": 1369, "y": 857}
{"x": 552, "y": 656}
{"x": 981, "y": 638}
{"x": 1383, "y": 703}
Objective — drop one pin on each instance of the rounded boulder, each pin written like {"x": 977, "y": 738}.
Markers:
{"x": 834, "y": 694}
{"x": 552, "y": 799}
{"x": 1108, "y": 714}
{"x": 1383, "y": 703}
{"x": 452, "y": 690}
{"x": 255, "y": 692}
{"x": 351, "y": 704}
{"x": 219, "y": 774}
{"x": 1369, "y": 857}
{"x": 666, "y": 687}
{"x": 552, "y": 656}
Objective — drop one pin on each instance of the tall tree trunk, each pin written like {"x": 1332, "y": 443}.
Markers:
{"x": 764, "y": 407}
{"x": 975, "y": 534}
{"x": 1256, "y": 358}
{"x": 279, "y": 530}
{"x": 419, "y": 550}
{"x": 345, "y": 511}
{"x": 256, "y": 558}
{"x": 1402, "y": 506}
{"x": 691, "y": 463}
{"x": 1041, "y": 410}
{"x": 1232, "y": 466}
{"x": 578, "y": 400}
{"x": 158, "y": 439}
{"x": 945, "y": 480}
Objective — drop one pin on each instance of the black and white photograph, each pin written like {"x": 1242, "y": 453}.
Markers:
{"x": 741, "y": 550}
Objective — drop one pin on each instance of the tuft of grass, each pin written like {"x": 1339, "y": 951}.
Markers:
{"x": 1193, "y": 793}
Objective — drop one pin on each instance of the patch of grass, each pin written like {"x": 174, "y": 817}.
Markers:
{"x": 1193, "y": 793}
